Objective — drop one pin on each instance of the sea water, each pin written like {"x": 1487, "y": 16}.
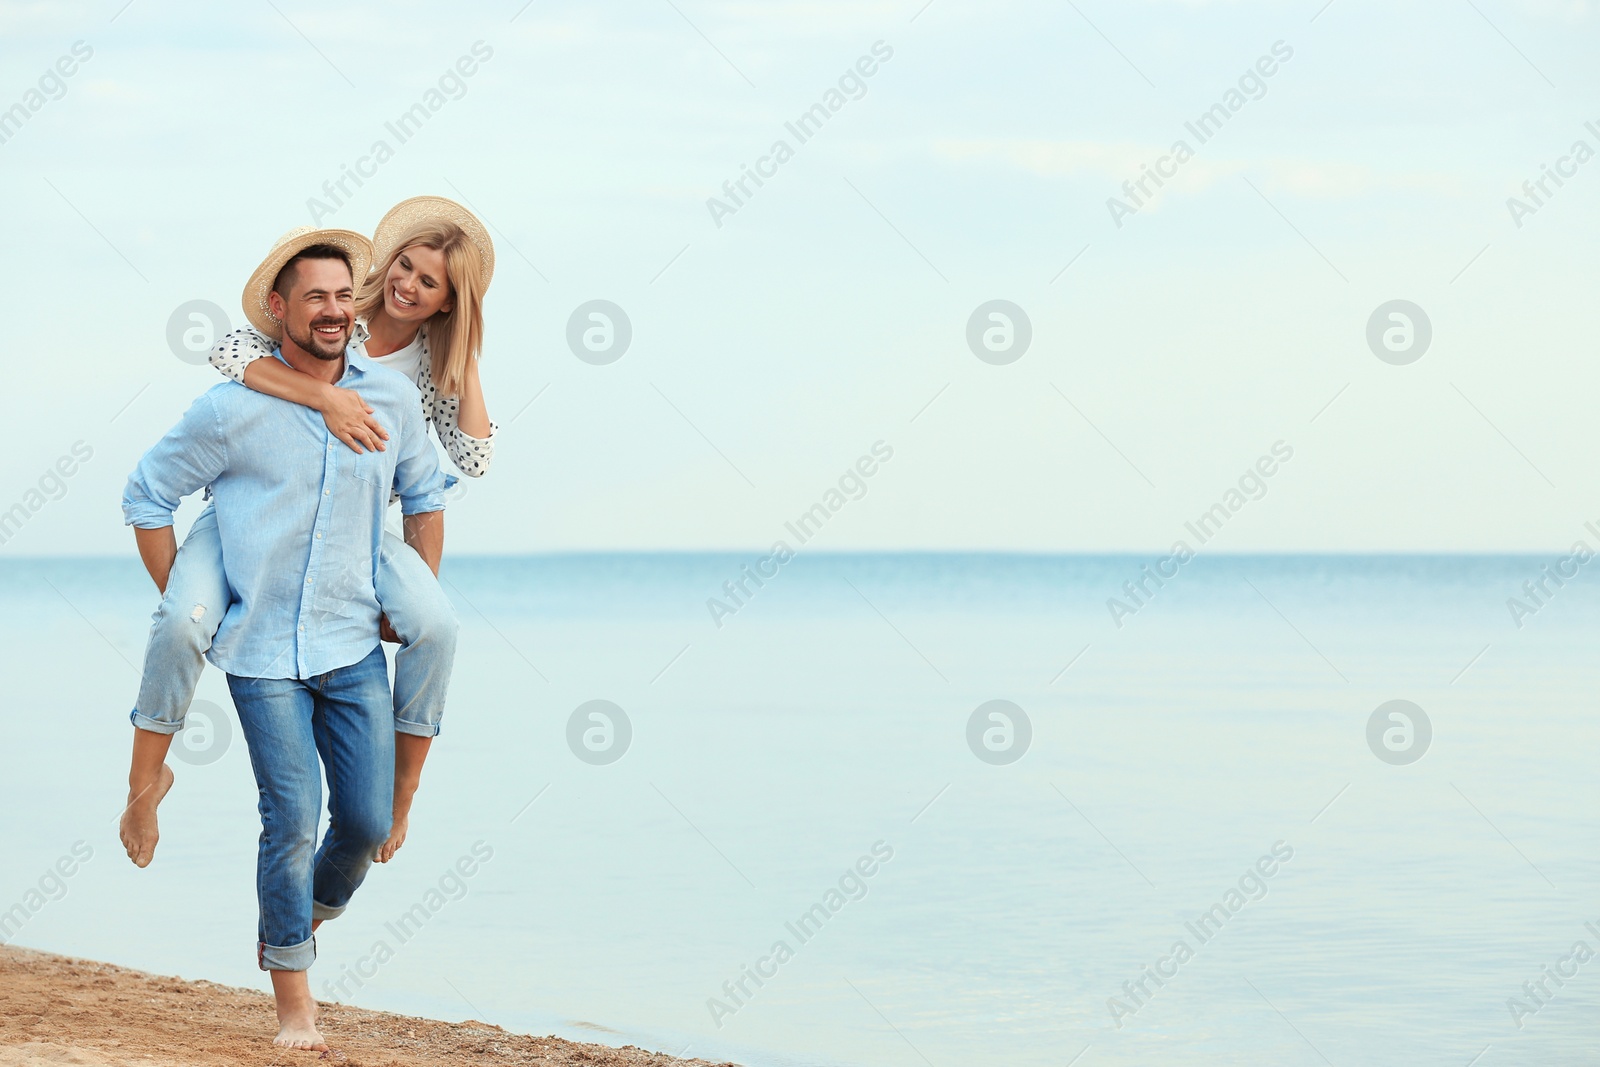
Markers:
{"x": 797, "y": 831}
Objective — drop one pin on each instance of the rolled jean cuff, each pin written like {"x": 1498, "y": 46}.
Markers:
{"x": 293, "y": 958}
{"x": 322, "y": 911}
{"x": 416, "y": 729}
{"x": 155, "y": 726}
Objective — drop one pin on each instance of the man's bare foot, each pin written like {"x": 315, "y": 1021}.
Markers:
{"x": 138, "y": 826}
{"x": 297, "y": 1012}
{"x": 397, "y": 835}
{"x": 300, "y": 1033}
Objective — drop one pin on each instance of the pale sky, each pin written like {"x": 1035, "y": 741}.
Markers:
{"x": 830, "y": 310}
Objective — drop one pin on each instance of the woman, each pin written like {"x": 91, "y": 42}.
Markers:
{"x": 419, "y": 311}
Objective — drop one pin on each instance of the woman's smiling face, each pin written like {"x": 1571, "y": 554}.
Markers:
{"x": 417, "y": 286}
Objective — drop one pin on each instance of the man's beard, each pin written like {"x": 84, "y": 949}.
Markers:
{"x": 314, "y": 343}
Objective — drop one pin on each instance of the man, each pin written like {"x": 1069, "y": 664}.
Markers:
{"x": 300, "y": 519}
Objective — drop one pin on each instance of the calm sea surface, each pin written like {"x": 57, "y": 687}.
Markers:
{"x": 1406, "y": 911}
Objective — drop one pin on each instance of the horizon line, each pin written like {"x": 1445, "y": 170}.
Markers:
{"x": 841, "y": 552}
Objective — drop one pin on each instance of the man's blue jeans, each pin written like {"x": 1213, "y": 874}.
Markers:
{"x": 346, "y": 718}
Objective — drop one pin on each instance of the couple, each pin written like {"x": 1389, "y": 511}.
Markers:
{"x": 289, "y": 579}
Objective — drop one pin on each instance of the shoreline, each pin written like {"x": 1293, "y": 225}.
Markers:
{"x": 63, "y": 1010}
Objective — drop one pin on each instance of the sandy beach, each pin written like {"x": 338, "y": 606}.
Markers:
{"x": 59, "y": 1010}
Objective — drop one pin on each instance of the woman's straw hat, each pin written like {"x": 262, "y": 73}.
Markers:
{"x": 291, "y": 244}
{"x": 407, "y": 213}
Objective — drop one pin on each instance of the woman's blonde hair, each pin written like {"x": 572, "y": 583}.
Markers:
{"x": 453, "y": 336}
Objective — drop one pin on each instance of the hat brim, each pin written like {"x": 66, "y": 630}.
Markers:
{"x": 407, "y": 213}
{"x": 256, "y": 291}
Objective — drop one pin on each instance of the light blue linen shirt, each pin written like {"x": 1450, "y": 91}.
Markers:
{"x": 299, "y": 513}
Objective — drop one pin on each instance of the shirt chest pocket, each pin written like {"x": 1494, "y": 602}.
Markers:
{"x": 373, "y": 467}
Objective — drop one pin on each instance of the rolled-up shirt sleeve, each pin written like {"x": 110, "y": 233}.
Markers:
{"x": 189, "y": 458}
{"x": 418, "y": 479}
{"x": 471, "y": 455}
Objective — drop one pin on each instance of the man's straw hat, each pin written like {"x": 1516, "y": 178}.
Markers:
{"x": 407, "y": 213}
{"x": 291, "y": 244}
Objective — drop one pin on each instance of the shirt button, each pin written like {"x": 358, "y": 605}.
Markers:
{"x": 325, "y": 492}
{"x": 319, "y": 537}
{"x": 308, "y": 581}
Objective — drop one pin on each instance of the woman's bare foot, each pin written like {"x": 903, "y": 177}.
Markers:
{"x": 297, "y": 1012}
{"x": 410, "y": 753}
{"x": 138, "y": 827}
{"x": 397, "y": 835}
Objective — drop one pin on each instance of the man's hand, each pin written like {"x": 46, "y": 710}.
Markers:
{"x": 386, "y": 632}
{"x": 350, "y": 420}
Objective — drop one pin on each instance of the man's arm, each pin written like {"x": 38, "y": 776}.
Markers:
{"x": 425, "y": 533}
{"x": 158, "y": 548}
{"x": 187, "y": 459}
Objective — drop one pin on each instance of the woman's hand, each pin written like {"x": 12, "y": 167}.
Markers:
{"x": 350, "y": 420}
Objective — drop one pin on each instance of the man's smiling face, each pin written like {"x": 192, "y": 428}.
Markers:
{"x": 318, "y": 307}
